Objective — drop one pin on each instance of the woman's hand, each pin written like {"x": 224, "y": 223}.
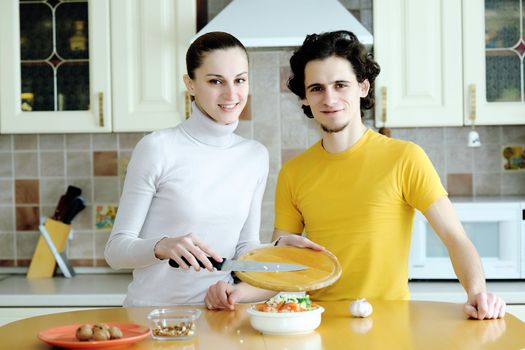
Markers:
{"x": 298, "y": 241}
{"x": 188, "y": 246}
{"x": 222, "y": 295}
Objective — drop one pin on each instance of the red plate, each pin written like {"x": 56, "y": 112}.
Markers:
{"x": 64, "y": 336}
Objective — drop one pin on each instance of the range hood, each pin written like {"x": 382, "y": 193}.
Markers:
{"x": 279, "y": 23}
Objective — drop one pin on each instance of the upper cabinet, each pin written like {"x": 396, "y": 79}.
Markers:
{"x": 493, "y": 56}
{"x": 442, "y": 65}
{"x": 149, "y": 40}
{"x": 92, "y": 66}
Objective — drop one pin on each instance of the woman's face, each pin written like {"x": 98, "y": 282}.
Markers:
{"x": 220, "y": 86}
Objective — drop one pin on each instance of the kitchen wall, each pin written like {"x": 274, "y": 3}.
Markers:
{"x": 36, "y": 169}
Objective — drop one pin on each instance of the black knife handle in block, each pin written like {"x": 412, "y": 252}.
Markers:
{"x": 215, "y": 263}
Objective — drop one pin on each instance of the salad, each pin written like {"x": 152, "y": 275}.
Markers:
{"x": 286, "y": 303}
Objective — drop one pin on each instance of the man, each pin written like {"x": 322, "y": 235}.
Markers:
{"x": 354, "y": 192}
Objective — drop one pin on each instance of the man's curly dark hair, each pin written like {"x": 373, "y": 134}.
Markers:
{"x": 342, "y": 44}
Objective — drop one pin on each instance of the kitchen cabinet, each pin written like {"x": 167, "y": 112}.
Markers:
{"x": 149, "y": 40}
{"x": 50, "y": 82}
{"x": 438, "y": 66}
{"x": 93, "y": 66}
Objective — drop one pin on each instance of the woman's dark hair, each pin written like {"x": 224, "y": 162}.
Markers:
{"x": 342, "y": 44}
{"x": 207, "y": 43}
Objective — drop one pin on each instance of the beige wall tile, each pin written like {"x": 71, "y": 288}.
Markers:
{"x": 6, "y": 164}
{"x": 459, "y": 159}
{"x": 267, "y": 216}
{"x": 6, "y": 192}
{"x": 52, "y": 164}
{"x": 81, "y": 246}
{"x": 26, "y": 244}
{"x": 487, "y": 184}
{"x": 106, "y": 190}
{"x": 84, "y": 219}
{"x": 128, "y": 141}
{"x": 78, "y": 141}
{"x": 7, "y": 246}
{"x": 7, "y": 215}
{"x": 79, "y": 164}
{"x": 25, "y": 142}
{"x": 104, "y": 141}
{"x": 51, "y": 190}
{"x": 51, "y": 142}
{"x": 513, "y": 183}
{"x": 26, "y": 164}
{"x": 269, "y": 192}
{"x": 6, "y": 142}
{"x": 512, "y": 134}
{"x": 101, "y": 238}
{"x": 487, "y": 158}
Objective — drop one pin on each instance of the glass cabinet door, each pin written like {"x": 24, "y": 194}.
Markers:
{"x": 55, "y": 66}
{"x": 493, "y": 61}
{"x": 54, "y": 53}
{"x": 504, "y": 50}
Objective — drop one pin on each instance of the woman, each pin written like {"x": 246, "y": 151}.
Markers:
{"x": 195, "y": 191}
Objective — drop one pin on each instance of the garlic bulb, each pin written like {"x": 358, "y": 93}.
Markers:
{"x": 360, "y": 308}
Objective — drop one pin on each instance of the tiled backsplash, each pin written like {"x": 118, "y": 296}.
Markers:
{"x": 35, "y": 170}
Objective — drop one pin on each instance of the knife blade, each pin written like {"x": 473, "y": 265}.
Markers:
{"x": 244, "y": 265}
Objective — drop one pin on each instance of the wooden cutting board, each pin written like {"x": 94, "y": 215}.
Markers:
{"x": 323, "y": 269}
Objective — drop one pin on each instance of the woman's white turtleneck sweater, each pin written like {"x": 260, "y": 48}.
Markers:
{"x": 197, "y": 177}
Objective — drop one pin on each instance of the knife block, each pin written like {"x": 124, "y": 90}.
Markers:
{"x": 50, "y": 250}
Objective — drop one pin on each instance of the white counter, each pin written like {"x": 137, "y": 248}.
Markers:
{"x": 110, "y": 290}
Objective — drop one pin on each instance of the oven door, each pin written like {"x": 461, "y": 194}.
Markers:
{"x": 493, "y": 228}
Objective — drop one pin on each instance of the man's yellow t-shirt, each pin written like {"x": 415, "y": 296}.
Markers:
{"x": 359, "y": 204}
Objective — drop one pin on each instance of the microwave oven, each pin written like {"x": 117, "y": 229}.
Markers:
{"x": 497, "y": 230}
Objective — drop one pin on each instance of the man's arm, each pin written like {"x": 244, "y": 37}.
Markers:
{"x": 281, "y": 238}
{"x": 465, "y": 260}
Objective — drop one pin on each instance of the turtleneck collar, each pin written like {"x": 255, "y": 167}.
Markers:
{"x": 206, "y": 130}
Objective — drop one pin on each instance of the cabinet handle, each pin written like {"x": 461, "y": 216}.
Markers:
{"x": 384, "y": 105}
{"x": 472, "y": 103}
{"x": 187, "y": 104}
{"x": 101, "y": 109}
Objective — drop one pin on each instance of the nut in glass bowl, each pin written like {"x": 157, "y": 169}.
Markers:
{"x": 173, "y": 324}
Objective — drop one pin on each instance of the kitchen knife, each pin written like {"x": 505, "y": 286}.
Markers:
{"x": 243, "y": 265}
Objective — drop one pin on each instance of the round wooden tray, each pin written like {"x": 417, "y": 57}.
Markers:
{"x": 323, "y": 269}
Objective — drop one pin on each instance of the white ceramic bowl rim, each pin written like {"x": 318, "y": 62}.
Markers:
{"x": 251, "y": 310}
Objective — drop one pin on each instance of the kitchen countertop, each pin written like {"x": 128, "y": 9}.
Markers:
{"x": 392, "y": 325}
{"x": 110, "y": 290}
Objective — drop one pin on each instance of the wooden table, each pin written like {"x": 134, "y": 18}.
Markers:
{"x": 393, "y": 325}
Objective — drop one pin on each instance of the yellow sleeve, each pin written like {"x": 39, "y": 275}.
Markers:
{"x": 421, "y": 183}
{"x": 287, "y": 216}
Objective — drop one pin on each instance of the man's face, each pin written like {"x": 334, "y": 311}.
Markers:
{"x": 333, "y": 93}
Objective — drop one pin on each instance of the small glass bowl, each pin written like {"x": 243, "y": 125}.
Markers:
{"x": 173, "y": 324}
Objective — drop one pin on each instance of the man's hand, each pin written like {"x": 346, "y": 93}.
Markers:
{"x": 222, "y": 295}
{"x": 484, "y": 306}
{"x": 298, "y": 241}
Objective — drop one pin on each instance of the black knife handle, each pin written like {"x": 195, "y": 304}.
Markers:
{"x": 215, "y": 263}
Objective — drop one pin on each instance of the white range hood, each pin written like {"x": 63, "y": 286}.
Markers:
{"x": 278, "y": 23}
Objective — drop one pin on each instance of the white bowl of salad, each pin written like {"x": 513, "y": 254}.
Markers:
{"x": 286, "y": 315}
